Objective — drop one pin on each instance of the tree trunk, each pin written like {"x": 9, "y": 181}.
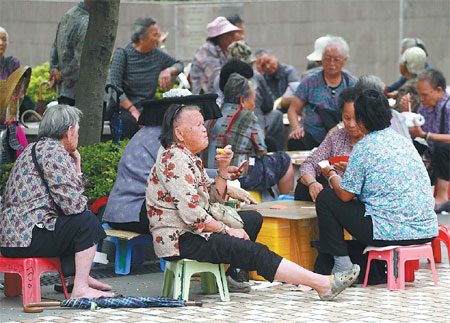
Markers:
{"x": 95, "y": 58}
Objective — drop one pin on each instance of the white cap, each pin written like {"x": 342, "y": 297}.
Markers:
{"x": 319, "y": 46}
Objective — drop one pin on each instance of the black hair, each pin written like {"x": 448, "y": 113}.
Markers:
{"x": 349, "y": 94}
{"x": 235, "y": 19}
{"x": 372, "y": 110}
{"x": 435, "y": 77}
{"x": 214, "y": 40}
{"x": 234, "y": 66}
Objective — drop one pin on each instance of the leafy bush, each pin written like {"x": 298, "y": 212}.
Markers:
{"x": 40, "y": 74}
{"x": 99, "y": 164}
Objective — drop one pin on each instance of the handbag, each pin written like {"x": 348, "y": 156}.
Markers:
{"x": 225, "y": 214}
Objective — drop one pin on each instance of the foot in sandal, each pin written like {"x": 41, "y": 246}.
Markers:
{"x": 341, "y": 281}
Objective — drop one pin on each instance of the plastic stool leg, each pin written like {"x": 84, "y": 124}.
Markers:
{"x": 138, "y": 254}
{"x": 433, "y": 268}
{"x": 222, "y": 283}
{"x": 178, "y": 278}
{"x": 437, "y": 250}
{"x": 366, "y": 276}
{"x": 162, "y": 264}
{"x": 410, "y": 267}
{"x": 13, "y": 285}
{"x": 168, "y": 282}
{"x": 123, "y": 257}
{"x": 31, "y": 285}
{"x": 208, "y": 281}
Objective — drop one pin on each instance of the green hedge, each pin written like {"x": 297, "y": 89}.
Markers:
{"x": 99, "y": 164}
{"x": 40, "y": 74}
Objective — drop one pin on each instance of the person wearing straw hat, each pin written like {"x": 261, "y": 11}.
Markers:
{"x": 212, "y": 55}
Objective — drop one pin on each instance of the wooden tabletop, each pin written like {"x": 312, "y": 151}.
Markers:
{"x": 292, "y": 210}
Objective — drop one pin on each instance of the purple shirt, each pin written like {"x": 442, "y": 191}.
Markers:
{"x": 7, "y": 66}
{"x": 433, "y": 117}
{"x": 336, "y": 143}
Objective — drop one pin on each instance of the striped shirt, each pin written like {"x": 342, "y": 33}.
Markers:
{"x": 139, "y": 71}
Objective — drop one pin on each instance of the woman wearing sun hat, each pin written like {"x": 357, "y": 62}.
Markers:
{"x": 212, "y": 55}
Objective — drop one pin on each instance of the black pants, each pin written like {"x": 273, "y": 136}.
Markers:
{"x": 440, "y": 160}
{"x": 222, "y": 248}
{"x": 335, "y": 215}
{"x": 72, "y": 234}
{"x": 66, "y": 100}
{"x": 143, "y": 226}
{"x": 302, "y": 192}
{"x": 129, "y": 124}
{"x": 307, "y": 142}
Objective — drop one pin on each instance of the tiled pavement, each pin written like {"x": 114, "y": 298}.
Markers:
{"x": 421, "y": 301}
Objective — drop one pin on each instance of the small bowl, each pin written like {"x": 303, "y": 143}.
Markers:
{"x": 338, "y": 159}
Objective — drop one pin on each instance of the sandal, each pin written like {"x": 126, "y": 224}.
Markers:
{"x": 341, "y": 281}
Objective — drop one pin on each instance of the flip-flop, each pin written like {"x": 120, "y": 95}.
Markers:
{"x": 341, "y": 281}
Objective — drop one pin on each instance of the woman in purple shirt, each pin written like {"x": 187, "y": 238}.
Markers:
{"x": 338, "y": 143}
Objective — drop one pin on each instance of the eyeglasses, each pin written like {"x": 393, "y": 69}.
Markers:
{"x": 333, "y": 59}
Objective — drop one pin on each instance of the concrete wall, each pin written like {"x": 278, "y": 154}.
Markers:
{"x": 287, "y": 27}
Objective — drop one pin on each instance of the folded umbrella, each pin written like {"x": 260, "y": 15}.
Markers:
{"x": 112, "y": 302}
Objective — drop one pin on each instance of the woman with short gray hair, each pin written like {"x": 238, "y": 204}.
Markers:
{"x": 45, "y": 213}
{"x": 8, "y": 64}
{"x": 135, "y": 70}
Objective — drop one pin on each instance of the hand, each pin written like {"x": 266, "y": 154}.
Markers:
{"x": 258, "y": 64}
{"x": 297, "y": 133}
{"x": 342, "y": 166}
{"x": 416, "y": 131}
{"x": 224, "y": 159}
{"x": 314, "y": 190}
{"x": 239, "y": 233}
{"x": 77, "y": 159}
{"x": 165, "y": 78}
{"x": 135, "y": 113}
{"x": 325, "y": 171}
{"x": 162, "y": 39}
{"x": 55, "y": 78}
{"x": 241, "y": 195}
{"x": 233, "y": 172}
{"x": 406, "y": 102}
{"x": 392, "y": 95}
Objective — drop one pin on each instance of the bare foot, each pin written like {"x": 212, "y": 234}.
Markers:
{"x": 326, "y": 290}
{"x": 94, "y": 283}
{"x": 89, "y": 292}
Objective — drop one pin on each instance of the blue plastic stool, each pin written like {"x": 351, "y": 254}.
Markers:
{"x": 124, "y": 248}
{"x": 285, "y": 197}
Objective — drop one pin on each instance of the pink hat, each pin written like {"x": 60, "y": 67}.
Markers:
{"x": 220, "y": 26}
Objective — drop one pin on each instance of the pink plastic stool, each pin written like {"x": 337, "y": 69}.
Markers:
{"x": 444, "y": 236}
{"x": 29, "y": 270}
{"x": 401, "y": 262}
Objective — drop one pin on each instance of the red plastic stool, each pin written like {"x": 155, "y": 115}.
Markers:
{"x": 401, "y": 263}
{"x": 29, "y": 270}
{"x": 444, "y": 236}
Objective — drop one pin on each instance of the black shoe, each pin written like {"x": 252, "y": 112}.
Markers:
{"x": 237, "y": 287}
{"x": 58, "y": 288}
{"x": 439, "y": 208}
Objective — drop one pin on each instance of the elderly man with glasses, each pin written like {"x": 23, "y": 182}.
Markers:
{"x": 318, "y": 94}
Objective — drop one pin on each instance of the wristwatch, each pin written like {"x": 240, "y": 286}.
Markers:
{"x": 227, "y": 229}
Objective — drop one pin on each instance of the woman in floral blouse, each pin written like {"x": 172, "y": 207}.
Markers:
{"x": 337, "y": 143}
{"x": 32, "y": 225}
{"x": 178, "y": 188}
{"x": 394, "y": 204}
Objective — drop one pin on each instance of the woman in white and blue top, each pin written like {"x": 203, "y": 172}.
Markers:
{"x": 394, "y": 203}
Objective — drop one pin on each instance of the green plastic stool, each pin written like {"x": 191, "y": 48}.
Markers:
{"x": 182, "y": 270}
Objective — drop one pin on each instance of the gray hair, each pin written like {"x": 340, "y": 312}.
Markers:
{"x": 369, "y": 82}
{"x": 57, "y": 120}
{"x": 4, "y": 30}
{"x": 172, "y": 116}
{"x": 236, "y": 87}
{"x": 434, "y": 77}
{"x": 413, "y": 42}
{"x": 262, "y": 51}
{"x": 139, "y": 28}
{"x": 336, "y": 41}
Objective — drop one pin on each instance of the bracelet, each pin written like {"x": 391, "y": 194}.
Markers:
{"x": 129, "y": 107}
{"x": 312, "y": 182}
{"x": 221, "y": 229}
{"x": 329, "y": 179}
{"x": 221, "y": 176}
{"x": 427, "y": 136}
{"x": 331, "y": 169}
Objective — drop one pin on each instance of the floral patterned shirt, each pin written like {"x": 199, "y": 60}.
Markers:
{"x": 175, "y": 196}
{"x": 26, "y": 202}
{"x": 336, "y": 143}
{"x": 387, "y": 174}
{"x": 206, "y": 65}
{"x": 65, "y": 54}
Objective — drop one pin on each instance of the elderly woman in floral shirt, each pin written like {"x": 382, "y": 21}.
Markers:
{"x": 178, "y": 189}
{"x": 52, "y": 219}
